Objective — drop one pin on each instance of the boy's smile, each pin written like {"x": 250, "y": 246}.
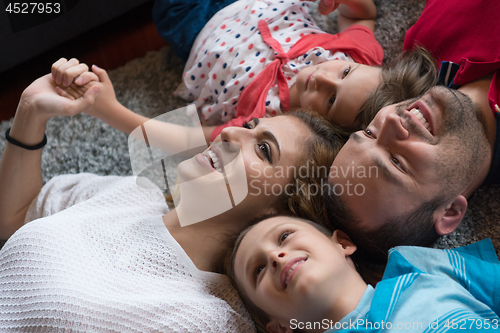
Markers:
{"x": 290, "y": 269}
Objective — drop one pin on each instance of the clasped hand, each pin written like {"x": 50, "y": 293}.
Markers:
{"x": 43, "y": 97}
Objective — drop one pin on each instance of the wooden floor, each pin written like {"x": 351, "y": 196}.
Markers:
{"x": 109, "y": 46}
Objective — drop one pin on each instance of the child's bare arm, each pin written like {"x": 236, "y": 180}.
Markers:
{"x": 207, "y": 132}
{"x": 74, "y": 79}
{"x": 352, "y": 12}
{"x": 108, "y": 109}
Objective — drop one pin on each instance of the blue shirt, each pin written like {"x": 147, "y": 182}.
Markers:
{"x": 432, "y": 290}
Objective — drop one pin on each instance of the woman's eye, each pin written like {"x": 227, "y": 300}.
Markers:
{"x": 346, "y": 72}
{"x": 331, "y": 101}
{"x": 368, "y": 132}
{"x": 246, "y": 125}
{"x": 266, "y": 150}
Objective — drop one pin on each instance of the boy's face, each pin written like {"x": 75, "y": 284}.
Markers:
{"x": 291, "y": 270}
{"x": 336, "y": 89}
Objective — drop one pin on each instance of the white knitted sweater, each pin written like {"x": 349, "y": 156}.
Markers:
{"x": 98, "y": 258}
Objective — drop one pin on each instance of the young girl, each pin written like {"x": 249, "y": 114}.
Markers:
{"x": 259, "y": 58}
{"x": 294, "y": 275}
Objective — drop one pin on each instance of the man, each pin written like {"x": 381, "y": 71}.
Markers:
{"x": 426, "y": 155}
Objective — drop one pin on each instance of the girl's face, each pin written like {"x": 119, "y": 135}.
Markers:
{"x": 291, "y": 270}
{"x": 246, "y": 168}
{"x": 336, "y": 89}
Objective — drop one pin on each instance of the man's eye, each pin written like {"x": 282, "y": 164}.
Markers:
{"x": 331, "y": 101}
{"x": 346, "y": 72}
{"x": 246, "y": 125}
{"x": 368, "y": 132}
{"x": 396, "y": 162}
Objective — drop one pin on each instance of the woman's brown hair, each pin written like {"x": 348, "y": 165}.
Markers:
{"x": 305, "y": 196}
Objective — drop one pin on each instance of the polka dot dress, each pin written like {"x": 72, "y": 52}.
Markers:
{"x": 230, "y": 52}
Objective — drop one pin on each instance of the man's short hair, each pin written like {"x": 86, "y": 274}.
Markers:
{"x": 413, "y": 228}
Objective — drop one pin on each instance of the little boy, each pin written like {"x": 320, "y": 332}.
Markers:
{"x": 294, "y": 276}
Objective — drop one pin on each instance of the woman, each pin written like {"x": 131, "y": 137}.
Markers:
{"x": 104, "y": 254}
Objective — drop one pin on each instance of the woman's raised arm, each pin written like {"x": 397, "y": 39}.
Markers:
{"x": 20, "y": 172}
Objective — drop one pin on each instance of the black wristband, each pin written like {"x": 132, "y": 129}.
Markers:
{"x": 22, "y": 145}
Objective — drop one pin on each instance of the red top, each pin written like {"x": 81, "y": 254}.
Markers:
{"x": 466, "y": 33}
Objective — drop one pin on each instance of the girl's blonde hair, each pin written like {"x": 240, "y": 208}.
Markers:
{"x": 409, "y": 75}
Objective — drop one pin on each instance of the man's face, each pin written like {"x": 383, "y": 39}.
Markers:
{"x": 410, "y": 154}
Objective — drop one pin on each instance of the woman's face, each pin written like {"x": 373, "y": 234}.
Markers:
{"x": 246, "y": 168}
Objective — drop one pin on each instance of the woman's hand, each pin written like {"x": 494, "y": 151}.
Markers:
{"x": 72, "y": 78}
{"x": 43, "y": 101}
{"x": 75, "y": 82}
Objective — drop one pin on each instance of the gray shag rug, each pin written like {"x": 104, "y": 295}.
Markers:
{"x": 146, "y": 85}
